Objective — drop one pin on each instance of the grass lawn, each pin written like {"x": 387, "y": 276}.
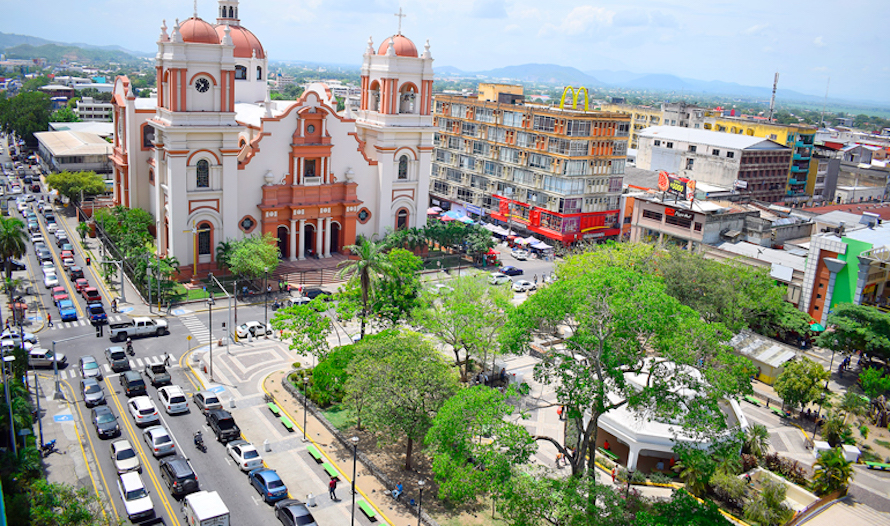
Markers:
{"x": 339, "y": 416}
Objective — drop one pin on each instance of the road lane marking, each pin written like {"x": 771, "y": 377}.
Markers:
{"x": 64, "y": 277}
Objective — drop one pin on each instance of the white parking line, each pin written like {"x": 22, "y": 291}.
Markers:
{"x": 107, "y": 368}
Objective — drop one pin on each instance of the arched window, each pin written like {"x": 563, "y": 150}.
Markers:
{"x": 202, "y": 179}
{"x": 403, "y": 167}
{"x": 259, "y": 73}
{"x": 231, "y": 12}
{"x": 204, "y": 239}
{"x": 240, "y": 73}
{"x": 402, "y": 219}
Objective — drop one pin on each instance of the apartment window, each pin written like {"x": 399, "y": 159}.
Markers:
{"x": 440, "y": 188}
{"x": 692, "y": 148}
{"x": 617, "y": 166}
{"x": 512, "y": 118}
{"x": 403, "y": 167}
{"x": 509, "y": 155}
{"x": 454, "y": 175}
{"x": 649, "y": 214}
{"x": 465, "y": 194}
{"x": 623, "y": 129}
{"x": 657, "y": 142}
{"x": 575, "y": 168}
{"x": 570, "y": 206}
{"x": 506, "y": 189}
{"x": 730, "y": 155}
{"x": 537, "y": 160}
{"x": 467, "y": 162}
{"x": 485, "y": 115}
{"x": 458, "y": 110}
{"x": 578, "y": 128}
{"x": 202, "y": 174}
{"x": 468, "y": 128}
{"x": 543, "y": 123}
{"x": 523, "y": 140}
{"x": 689, "y": 163}
{"x": 443, "y": 156}
{"x": 564, "y": 186}
{"x": 715, "y": 152}
{"x": 490, "y": 202}
{"x": 697, "y": 227}
{"x": 479, "y": 182}
{"x": 523, "y": 177}
{"x": 454, "y": 143}
{"x": 497, "y": 134}
{"x": 619, "y": 148}
{"x": 481, "y": 148}
{"x": 669, "y": 145}
{"x": 491, "y": 168}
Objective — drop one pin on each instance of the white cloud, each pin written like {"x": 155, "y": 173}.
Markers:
{"x": 820, "y": 68}
{"x": 580, "y": 20}
{"x": 513, "y": 29}
{"x": 753, "y": 30}
{"x": 818, "y": 42}
{"x": 489, "y": 9}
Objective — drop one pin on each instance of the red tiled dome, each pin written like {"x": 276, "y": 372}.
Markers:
{"x": 402, "y": 45}
{"x": 198, "y": 31}
{"x": 245, "y": 41}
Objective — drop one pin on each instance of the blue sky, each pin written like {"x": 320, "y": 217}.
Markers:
{"x": 734, "y": 41}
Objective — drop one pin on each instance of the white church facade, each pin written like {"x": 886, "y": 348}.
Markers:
{"x": 212, "y": 158}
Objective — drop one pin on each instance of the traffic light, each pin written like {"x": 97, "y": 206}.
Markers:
{"x": 88, "y": 261}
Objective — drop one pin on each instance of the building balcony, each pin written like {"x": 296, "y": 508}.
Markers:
{"x": 801, "y": 156}
{"x": 798, "y": 169}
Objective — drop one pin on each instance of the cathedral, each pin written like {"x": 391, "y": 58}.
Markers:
{"x": 212, "y": 158}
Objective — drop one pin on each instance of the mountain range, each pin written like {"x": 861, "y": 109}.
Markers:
{"x": 11, "y": 40}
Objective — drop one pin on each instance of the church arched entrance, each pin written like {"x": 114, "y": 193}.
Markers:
{"x": 283, "y": 245}
{"x": 335, "y": 237}
{"x": 309, "y": 241}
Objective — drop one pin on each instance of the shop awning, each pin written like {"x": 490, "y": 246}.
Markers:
{"x": 492, "y": 252}
{"x": 541, "y": 246}
{"x": 432, "y": 212}
{"x": 447, "y": 218}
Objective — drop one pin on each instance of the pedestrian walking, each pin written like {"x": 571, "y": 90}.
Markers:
{"x": 559, "y": 412}
{"x": 332, "y": 489}
{"x": 166, "y": 359}
{"x": 49, "y": 319}
{"x": 559, "y": 457}
{"x": 613, "y": 474}
{"x": 269, "y": 290}
{"x": 536, "y": 279}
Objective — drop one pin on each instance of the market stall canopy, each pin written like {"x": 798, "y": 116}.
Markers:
{"x": 432, "y": 212}
{"x": 466, "y": 220}
{"x": 447, "y": 218}
{"x": 817, "y": 327}
{"x": 492, "y": 252}
{"x": 436, "y": 208}
{"x": 541, "y": 246}
{"x": 521, "y": 241}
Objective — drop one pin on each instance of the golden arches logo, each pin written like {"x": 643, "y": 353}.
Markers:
{"x": 575, "y": 94}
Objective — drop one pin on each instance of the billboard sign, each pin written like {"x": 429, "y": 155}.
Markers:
{"x": 676, "y": 186}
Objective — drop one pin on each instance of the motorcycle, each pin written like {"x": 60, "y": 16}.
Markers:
{"x": 130, "y": 350}
{"x": 199, "y": 442}
{"x": 48, "y": 448}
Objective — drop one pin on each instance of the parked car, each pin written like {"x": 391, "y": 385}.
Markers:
{"x": 159, "y": 441}
{"x": 50, "y": 281}
{"x": 313, "y": 293}
{"x": 253, "y": 328}
{"x": 80, "y": 284}
{"x": 511, "y": 271}
{"x": 89, "y": 368}
{"x": 14, "y": 334}
{"x": 66, "y": 254}
{"x": 132, "y": 383}
{"x": 15, "y": 264}
{"x": 67, "y": 311}
{"x": 524, "y": 286}
{"x": 439, "y": 289}
{"x": 521, "y": 255}
{"x": 177, "y": 472}
{"x": 67, "y": 247}
{"x": 92, "y": 392}
{"x": 206, "y": 401}
{"x": 124, "y": 457}
{"x": 173, "y": 399}
{"x": 223, "y": 425}
{"x": 292, "y": 512}
{"x": 143, "y": 410}
{"x": 244, "y": 454}
{"x": 68, "y": 262}
{"x": 268, "y": 484}
{"x": 137, "y": 501}
{"x": 59, "y": 296}
{"x": 75, "y": 273}
{"x": 105, "y": 422}
{"x": 497, "y": 278}
{"x": 117, "y": 359}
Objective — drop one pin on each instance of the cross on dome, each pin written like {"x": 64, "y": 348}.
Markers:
{"x": 196, "y": 8}
{"x": 400, "y": 15}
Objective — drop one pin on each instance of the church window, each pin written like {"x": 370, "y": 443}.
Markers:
{"x": 259, "y": 73}
{"x": 403, "y": 167}
{"x": 240, "y": 73}
{"x": 247, "y": 224}
{"x": 309, "y": 168}
{"x": 203, "y": 174}
{"x": 401, "y": 219}
{"x": 151, "y": 175}
{"x": 204, "y": 239}
{"x": 364, "y": 215}
{"x": 148, "y": 135}
{"x": 231, "y": 12}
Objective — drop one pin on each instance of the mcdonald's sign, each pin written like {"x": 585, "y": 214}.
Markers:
{"x": 562, "y": 102}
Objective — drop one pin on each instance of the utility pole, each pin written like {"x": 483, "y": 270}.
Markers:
{"x": 772, "y": 100}
{"x": 229, "y": 326}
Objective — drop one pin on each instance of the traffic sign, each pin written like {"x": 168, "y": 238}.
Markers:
{"x": 217, "y": 389}
{"x": 64, "y": 417}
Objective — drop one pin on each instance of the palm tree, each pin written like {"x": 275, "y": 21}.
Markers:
{"x": 12, "y": 241}
{"x": 224, "y": 252}
{"x": 833, "y": 472}
{"x": 367, "y": 269}
{"x": 757, "y": 440}
{"x": 695, "y": 470}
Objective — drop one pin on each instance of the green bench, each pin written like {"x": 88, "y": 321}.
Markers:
{"x": 287, "y": 423}
{"x": 314, "y": 453}
{"x": 877, "y": 465}
{"x": 367, "y": 509}
{"x": 751, "y": 400}
{"x": 779, "y": 412}
{"x": 274, "y": 408}
{"x": 608, "y": 454}
{"x": 332, "y": 471}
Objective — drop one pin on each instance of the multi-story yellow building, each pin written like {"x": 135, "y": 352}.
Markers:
{"x": 641, "y": 117}
{"x": 556, "y": 172}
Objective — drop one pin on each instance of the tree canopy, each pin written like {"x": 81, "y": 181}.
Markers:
{"x": 25, "y": 114}
{"x": 306, "y": 326}
{"x": 800, "y": 382}
{"x": 73, "y": 184}
{"x": 253, "y": 256}
{"x": 854, "y": 328}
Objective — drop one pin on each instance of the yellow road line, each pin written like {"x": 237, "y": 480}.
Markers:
{"x": 293, "y": 421}
{"x": 83, "y": 250}
{"x": 36, "y": 288}
{"x": 136, "y": 442}
{"x": 61, "y": 268}
{"x": 95, "y": 456}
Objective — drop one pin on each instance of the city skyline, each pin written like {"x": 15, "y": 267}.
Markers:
{"x": 746, "y": 44}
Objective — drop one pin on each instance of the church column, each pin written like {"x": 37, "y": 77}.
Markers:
{"x": 327, "y": 236}
{"x": 319, "y": 238}
{"x": 293, "y": 240}
{"x": 301, "y": 243}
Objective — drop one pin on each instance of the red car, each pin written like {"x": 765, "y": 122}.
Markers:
{"x": 59, "y": 297}
{"x": 66, "y": 254}
{"x": 91, "y": 295}
{"x": 80, "y": 284}
{"x": 58, "y": 290}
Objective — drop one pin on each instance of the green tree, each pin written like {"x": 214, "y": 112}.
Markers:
{"x": 306, "y": 327}
{"x": 695, "y": 467}
{"x": 224, "y": 251}
{"x": 65, "y": 114}
{"x": 836, "y": 430}
{"x": 800, "y": 382}
{"x": 330, "y": 375}
{"x": 857, "y": 328}
{"x": 12, "y": 242}
{"x": 621, "y": 323}
{"x": 640, "y": 257}
{"x": 832, "y": 472}
{"x": 73, "y": 185}
{"x": 682, "y": 510}
{"x": 397, "y": 293}
{"x": 468, "y": 319}
{"x": 872, "y": 380}
{"x": 83, "y": 228}
{"x": 767, "y": 507}
{"x": 370, "y": 266}
{"x": 729, "y": 488}
{"x": 474, "y": 446}
{"x": 756, "y": 440}
{"x": 35, "y": 83}
{"x": 254, "y": 256}
{"x": 55, "y": 504}
{"x": 409, "y": 382}
{"x": 26, "y": 114}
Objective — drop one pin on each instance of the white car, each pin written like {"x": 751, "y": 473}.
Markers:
{"x": 439, "y": 289}
{"x": 37, "y": 238}
{"x": 521, "y": 255}
{"x": 52, "y": 227}
{"x": 50, "y": 281}
{"x": 244, "y": 454}
{"x": 173, "y": 399}
{"x": 159, "y": 441}
{"x": 497, "y": 278}
{"x": 68, "y": 262}
{"x": 524, "y": 286}
{"x": 11, "y": 345}
{"x": 13, "y": 333}
{"x": 136, "y": 499}
{"x": 124, "y": 457}
{"x": 21, "y": 204}
{"x": 253, "y": 327}
{"x": 143, "y": 410}
{"x": 49, "y": 269}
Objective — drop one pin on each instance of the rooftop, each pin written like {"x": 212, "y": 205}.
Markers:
{"x": 62, "y": 143}
{"x": 882, "y": 209}
{"x": 711, "y": 138}
{"x": 102, "y": 129}
{"x": 770, "y": 255}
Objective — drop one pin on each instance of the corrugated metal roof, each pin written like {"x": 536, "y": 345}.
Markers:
{"x": 711, "y": 138}
{"x": 73, "y": 143}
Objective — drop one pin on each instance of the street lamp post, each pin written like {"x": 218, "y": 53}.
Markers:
{"x": 210, "y": 321}
{"x": 305, "y": 404}
{"x": 9, "y": 360}
{"x": 266, "y": 307}
{"x": 58, "y": 395}
{"x": 627, "y": 489}
{"x": 420, "y": 484}
{"x": 37, "y": 397}
{"x": 354, "y": 455}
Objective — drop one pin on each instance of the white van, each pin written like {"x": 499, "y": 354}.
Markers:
{"x": 205, "y": 508}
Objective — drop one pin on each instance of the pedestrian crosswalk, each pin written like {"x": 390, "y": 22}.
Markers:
{"x": 136, "y": 364}
{"x": 80, "y": 323}
{"x": 196, "y": 327}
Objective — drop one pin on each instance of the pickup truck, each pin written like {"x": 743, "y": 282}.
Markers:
{"x": 91, "y": 295}
{"x": 44, "y": 358}
{"x": 158, "y": 374}
{"x": 137, "y": 327}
